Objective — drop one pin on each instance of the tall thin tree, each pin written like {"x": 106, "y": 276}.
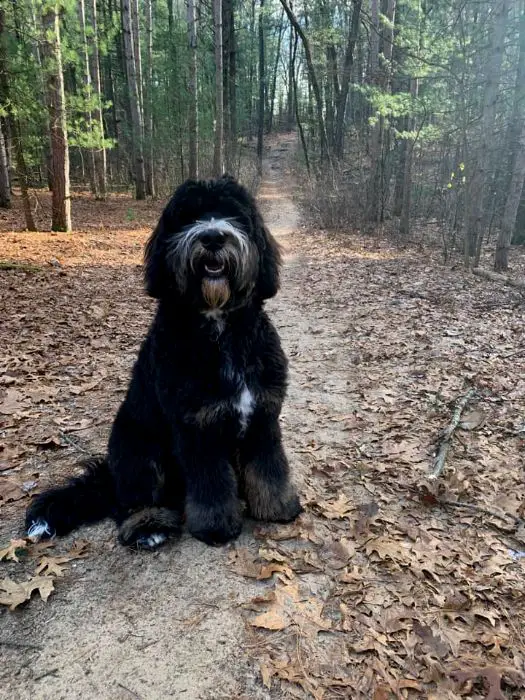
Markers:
{"x": 134, "y": 103}
{"x": 193, "y": 121}
{"x": 218, "y": 150}
{"x": 52, "y": 54}
{"x": 262, "y": 91}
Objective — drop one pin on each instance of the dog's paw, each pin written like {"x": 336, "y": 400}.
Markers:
{"x": 151, "y": 542}
{"x": 273, "y": 505}
{"x": 149, "y": 528}
{"x": 214, "y": 526}
{"x": 38, "y": 529}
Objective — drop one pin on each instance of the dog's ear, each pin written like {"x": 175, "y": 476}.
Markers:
{"x": 155, "y": 270}
{"x": 269, "y": 265}
{"x": 157, "y": 277}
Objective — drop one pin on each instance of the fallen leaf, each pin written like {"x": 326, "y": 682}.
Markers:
{"x": 12, "y": 402}
{"x": 13, "y": 550}
{"x": 333, "y": 510}
{"x": 54, "y": 566}
{"x": 472, "y": 420}
{"x": 288, "y": 606}
{"x": 271, "y": 620}
{"x": 14, "y": 594}
{"x": 10, "y": 490}
{"x": 336, "y": 555}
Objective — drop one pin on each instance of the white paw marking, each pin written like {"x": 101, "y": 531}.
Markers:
{"x": 245, "y": 405}
{"x": 152, "y": 541}
{"x": 37, "y": 529}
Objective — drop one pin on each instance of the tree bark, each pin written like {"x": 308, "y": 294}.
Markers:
{"x": 193, "y": 136}
{"x": 5, "y": 186}
{"x": 501, "y": 260}
{"x": 218, "y": 150}
{"x": 137, "y": 54}
{"x": 229, "y": 87}
{"x": 274, "y": 75}
{"x": 374, "y": 184}
{"x": 89, "y": 151}
{"x": 404, "y": 223}
{"x": 342, "y": 97}
{"x": 98, "y": 117}
{"x": 148, "y": 105}
{"x": 262, "y": 91}
{"x": 478, "y": 174}
{"x": 61, "y": 199}
{"x": 134, "y": 103}
{"x": 313, "y": 79}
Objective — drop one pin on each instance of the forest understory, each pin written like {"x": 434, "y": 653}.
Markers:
{"x": 390, "y": 585}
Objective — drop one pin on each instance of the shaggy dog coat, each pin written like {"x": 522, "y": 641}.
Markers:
{"x": 199, "y": 427}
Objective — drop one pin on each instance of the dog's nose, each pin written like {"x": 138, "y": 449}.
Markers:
{"x": 212, "y": 239}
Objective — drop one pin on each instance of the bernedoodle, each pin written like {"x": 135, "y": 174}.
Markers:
{"x": 198, "y": 431}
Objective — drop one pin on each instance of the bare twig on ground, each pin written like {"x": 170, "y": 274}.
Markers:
{"x": 18, "y": 645}
{"x": 131, "y": 692}
{"x": 493, "y": 512}
{"x": 496, "y": 277}
{"x": 75, "y": 444}
{"x": 448, "y": 433}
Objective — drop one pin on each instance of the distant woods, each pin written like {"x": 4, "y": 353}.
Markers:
{"x": 410, "y": 114}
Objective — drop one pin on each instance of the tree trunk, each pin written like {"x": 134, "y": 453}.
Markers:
{"x": 262, "y": 90}
{"x": 89, "y": 151}
{"x": 5, "y": 187}
{"x": 374, "y": 184}
{"x": 98, "y": 118}
{"x": 193, "y": 137}
{"x": 274, "y": 74}
{"x": 137, "y": 54}
{"x": 478, "y": 174}
{"x": 296, "y": 102}
{"x": 290, "y": 105}
{"x": 501, "y": 261}
{"x": 342, "y": 97}
{"x": 404, "y": 223}
{"x": 134, "y": 103}
{"x": 218, "y": 150}
{"x": 61, "y": 200}
{"x": 313, "y": 79}
{"x": 148, "y": 105}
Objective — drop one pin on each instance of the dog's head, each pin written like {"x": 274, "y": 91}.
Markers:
{"x": 211, "y": 248}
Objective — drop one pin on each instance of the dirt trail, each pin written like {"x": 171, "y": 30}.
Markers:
{"x": 162, "y": 625}
{"x": 381, "y": 591}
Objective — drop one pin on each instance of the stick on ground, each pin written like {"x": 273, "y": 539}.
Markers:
{"x": 496, "y": 277}
{"x": 447, "y": 435}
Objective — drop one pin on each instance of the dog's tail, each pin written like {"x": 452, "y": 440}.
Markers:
{"x": 84, "y": 499}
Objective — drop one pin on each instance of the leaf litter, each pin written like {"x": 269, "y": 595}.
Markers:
{"x": 379, "y": 590}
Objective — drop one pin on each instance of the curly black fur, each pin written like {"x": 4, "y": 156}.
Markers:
{"x": 198, "y": 429}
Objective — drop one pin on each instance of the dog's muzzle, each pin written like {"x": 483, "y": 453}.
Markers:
{"x": 219, "y": 256}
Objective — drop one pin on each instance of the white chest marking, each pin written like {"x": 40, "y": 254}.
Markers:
{"x": 245, "y": 405}
{"x": 217, "y": 316}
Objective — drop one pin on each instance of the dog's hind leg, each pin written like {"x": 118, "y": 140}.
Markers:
{"x": 264, "y": 472}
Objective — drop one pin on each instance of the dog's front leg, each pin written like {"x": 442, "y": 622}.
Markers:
{"x": 213, "y": 512}
{"x": 265, "y": 472}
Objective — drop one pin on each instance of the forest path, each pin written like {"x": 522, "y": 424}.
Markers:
{"x": 372, "y": 593}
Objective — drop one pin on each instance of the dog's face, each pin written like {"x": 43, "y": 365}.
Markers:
{"x": 211, "y": 249}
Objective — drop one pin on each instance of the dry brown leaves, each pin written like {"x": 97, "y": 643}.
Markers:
{"x": 14, "y": 593}
{"x": 423, "y": 600}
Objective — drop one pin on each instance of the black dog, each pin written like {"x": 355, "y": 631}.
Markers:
{"x": 199, "y": 427}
